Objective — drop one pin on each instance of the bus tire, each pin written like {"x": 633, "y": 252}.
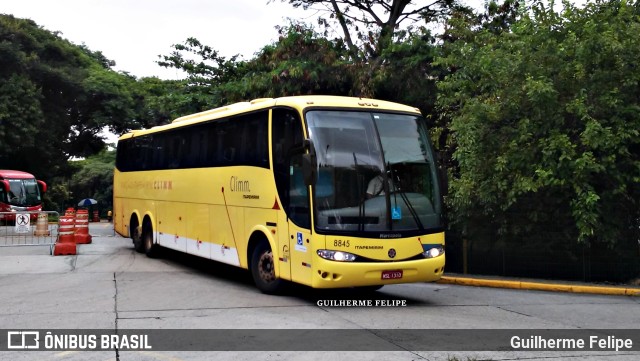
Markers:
{"x": 150, "y": 248}
{"x": 136, "y": 237}
{"x": 263, "y": 269}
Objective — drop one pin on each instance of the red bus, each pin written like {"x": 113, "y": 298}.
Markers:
{"x": 20, "y": 192}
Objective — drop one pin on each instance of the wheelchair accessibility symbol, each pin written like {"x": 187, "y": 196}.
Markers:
{"x": 300, "y": 247}
{"x": 396, "y": 213}
{"x": 23, "y": 222}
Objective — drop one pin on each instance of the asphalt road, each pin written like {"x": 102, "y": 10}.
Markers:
{"x": 108, "y": 286}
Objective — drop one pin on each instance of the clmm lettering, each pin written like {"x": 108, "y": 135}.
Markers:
{"x": 238, "y": 185}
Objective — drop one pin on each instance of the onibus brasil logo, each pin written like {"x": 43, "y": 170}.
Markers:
{"x": 31, "y": 340}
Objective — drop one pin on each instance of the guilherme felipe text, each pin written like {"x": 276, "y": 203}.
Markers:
{"x": 609, "y": 343}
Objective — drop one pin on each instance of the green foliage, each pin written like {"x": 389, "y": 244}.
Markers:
{"x": 18, "y": 100}
{"x": 407, "y": 74}
{"x": 94, "y": 179}
{"x": 206, "y": 71}
{"x": 207, "y": 67}
{"x": 160, "y": 101}
{"x": 300, "y": 62}
{"x": 368, "y": 28}
{"x": 546, "y": 121}
{"x": 55, "y": 97}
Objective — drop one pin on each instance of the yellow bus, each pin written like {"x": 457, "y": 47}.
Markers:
{"x": 324, "y": 191}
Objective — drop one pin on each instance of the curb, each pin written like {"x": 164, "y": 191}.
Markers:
{"x": 539, "y": 286}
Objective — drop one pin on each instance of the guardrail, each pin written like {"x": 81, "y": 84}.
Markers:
{"x": 29, "y": 229}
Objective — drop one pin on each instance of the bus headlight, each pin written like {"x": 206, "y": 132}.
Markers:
{"x": 336, "y": 255}
{"x": 433, "y": 252}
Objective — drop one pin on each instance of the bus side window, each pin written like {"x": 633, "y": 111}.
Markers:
{"x": 287, "y": 135}
{"x": 174, "y": 154}
{"x": 298, "y": 194}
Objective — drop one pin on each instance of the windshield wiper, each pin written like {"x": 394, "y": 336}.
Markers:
{"x": 403, "y": 195}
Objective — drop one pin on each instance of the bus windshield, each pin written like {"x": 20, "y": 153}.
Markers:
{"x": 23, "y": 193}
{"x": 376, "y": 173}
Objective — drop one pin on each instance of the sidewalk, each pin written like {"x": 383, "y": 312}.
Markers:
{"x": 539, "y": 285}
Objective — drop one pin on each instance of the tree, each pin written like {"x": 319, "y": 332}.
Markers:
{"x": 55, "y": 97}
{"x": 300, "y": 62}
{"x": 94, "y": 178}
{"x": 160, "y": 101}
{"x": 462, "y": 26}
{"x": 19, "y": 99}
{"x": 370, "y": 28}
{"x": 407, "y": 74}
{"x": 206, "y": 71}
{"x": 373, "y": 23}
{"x": 546, "y": 120}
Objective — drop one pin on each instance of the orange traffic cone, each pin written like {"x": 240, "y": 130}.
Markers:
{"x": 82, "y": 235}
{"x": 42, "y": 225}
{"x": 65, "y": 244}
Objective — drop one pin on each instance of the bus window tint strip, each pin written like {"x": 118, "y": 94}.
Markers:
{"x": 239, "y": 140}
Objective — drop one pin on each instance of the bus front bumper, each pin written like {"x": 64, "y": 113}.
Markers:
{"x": 332, "y": 274}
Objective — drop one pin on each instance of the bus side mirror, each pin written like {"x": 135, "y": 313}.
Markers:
{"x": 43, "y": 187}
{"x": 309, "y": 169}
{"x": 309, "y": 164}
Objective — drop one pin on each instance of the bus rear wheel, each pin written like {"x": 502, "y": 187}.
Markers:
{"x": 263, "y": 269}
{"x": 150, "y": 248}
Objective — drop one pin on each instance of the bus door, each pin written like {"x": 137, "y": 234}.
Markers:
{"x": 294, "y": 251}
{"x": 299, "y": 214}
{"x": 284, "y": 246}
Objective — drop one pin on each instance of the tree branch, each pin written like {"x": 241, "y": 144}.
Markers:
{"x": 347, "y": 36}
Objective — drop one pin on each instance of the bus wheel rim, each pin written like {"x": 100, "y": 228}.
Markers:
{"x": 265, "y": 267}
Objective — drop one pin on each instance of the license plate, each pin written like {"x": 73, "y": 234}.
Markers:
{"x": 391, "y": 275}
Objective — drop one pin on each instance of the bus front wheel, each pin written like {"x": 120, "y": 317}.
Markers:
{"x": 263, "y": 269}
{"x": 136, "y": 236}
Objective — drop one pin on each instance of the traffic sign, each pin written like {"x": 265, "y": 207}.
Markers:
{"x": 23, "y": 223}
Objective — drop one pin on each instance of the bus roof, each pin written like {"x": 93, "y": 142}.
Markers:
{"x": 298, "y": 102}
{"x": 14, "y": 174}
